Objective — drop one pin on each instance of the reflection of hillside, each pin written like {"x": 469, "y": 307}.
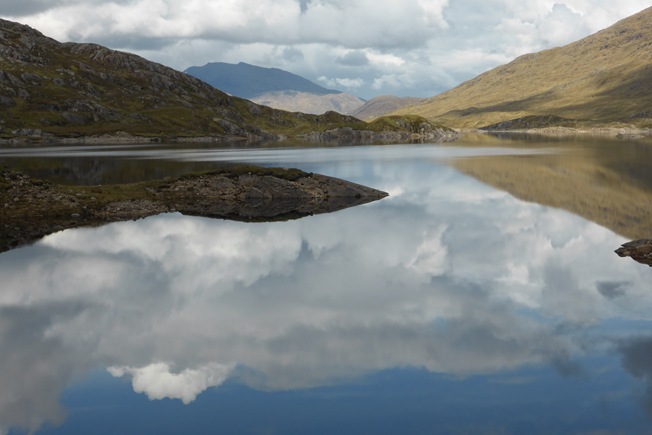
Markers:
{"x": 576, "y": 181}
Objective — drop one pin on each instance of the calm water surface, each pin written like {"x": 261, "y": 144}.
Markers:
{"x": 448, "y": 307}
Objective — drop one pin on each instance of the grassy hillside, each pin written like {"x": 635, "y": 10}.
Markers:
{"x": 604, "y": 78}
{"x": 598, "y": 183}
{"x": 53, "y": 90}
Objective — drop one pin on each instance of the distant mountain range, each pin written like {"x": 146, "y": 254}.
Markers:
{"x": 603, "y": 79}
{"x": 275, "y": 88}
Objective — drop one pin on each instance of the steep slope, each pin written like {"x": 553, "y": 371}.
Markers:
{"x": 603, "y": 78}
{"x": 380, "y": 106}
{"x": 51, "y": 90}
{"x": 306, "y": 102}
{"x": 275, "y": 88}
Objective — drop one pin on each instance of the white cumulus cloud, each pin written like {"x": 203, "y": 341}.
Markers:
{"x": 158, "y": 382}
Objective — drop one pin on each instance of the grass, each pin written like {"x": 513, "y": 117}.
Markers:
{"x": 584, "y": 186}
{"x": 602, "y": 79}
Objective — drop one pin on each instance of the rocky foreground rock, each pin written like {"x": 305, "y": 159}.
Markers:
{"x": 639, "y": 250}
{"x": 31, "y": 208}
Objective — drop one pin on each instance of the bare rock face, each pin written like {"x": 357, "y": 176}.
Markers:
{"x": 639, "y": 250}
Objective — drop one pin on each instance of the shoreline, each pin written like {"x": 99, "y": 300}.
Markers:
{"x": 611, "y": 132}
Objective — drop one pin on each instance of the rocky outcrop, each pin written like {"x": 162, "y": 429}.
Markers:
{"x": 31, "y": 208}
{"x": 638, "y": 250}
{"x": 350, "y": 135}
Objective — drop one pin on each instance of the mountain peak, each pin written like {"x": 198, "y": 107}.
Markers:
{"x": 250, "y": 81}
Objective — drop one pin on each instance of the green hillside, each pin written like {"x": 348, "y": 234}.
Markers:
{"x": 603, "y": 79}
{"x": 51, "y": 90}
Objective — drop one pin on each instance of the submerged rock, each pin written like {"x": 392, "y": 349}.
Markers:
{"x": 639, "y": 250}
{"x": 31, "y": 209}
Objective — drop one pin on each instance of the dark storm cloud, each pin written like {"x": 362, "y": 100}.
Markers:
{"x": 611, "y": 290}
{"x": 13, "y": 8}
{"x": 303, "y": 4}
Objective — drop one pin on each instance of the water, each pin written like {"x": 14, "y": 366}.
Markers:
{"x": 448, "y": 307}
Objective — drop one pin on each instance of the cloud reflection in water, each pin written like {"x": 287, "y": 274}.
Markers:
{"x": 449, "y": 275}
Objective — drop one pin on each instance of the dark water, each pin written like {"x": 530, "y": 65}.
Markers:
{"x": 448, "y": 307}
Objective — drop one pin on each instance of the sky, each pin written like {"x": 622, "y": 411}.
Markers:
{"x": 364, "y": 47}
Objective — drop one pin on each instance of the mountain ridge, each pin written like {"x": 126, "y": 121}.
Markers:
{"x": 603, "y": 78}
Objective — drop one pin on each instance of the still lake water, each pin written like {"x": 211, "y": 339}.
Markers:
{"x": 448, "y": 307}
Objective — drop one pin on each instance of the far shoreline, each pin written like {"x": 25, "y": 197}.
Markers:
{"x": 628, "y": 133}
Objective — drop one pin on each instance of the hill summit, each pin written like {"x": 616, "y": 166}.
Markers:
{"x": 604, "y": 78}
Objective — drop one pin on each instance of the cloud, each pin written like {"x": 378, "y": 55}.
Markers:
{"x": 353, "y": 58}
{"x": 611, "y": 289}
{"x": 341, "y": 82}
{"x": 291, "y": 54}
{"x": 440, "y": 42}
{"x": 27, "y": 7}
{"x": 158, "y": 382}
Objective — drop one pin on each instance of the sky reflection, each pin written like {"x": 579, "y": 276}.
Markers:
{"x": 446, "y": 275}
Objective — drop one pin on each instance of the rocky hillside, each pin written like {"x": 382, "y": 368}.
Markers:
{"x": 275, "y": 88}
{"x": 383, "y": 105}
{"x": 51, "y": 90}
{"x": 602, "y": 79}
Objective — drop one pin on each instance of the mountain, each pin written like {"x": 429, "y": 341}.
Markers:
{"x": 275, "y": 88}
{"x": 250, "y": 81}
{"x": 53, "y": 91}
{"x": 380, "y": 106}
{"x": 602, "y": 79}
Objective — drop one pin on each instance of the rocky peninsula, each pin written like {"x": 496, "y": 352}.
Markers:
{"x": 31, "y": 208}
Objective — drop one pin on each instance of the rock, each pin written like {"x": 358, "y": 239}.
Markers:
{"x": 36, "y": 208}
{"x": 639, "y": 250}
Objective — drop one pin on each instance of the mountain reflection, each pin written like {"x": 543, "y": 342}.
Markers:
{"x": 446, "y": 274}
